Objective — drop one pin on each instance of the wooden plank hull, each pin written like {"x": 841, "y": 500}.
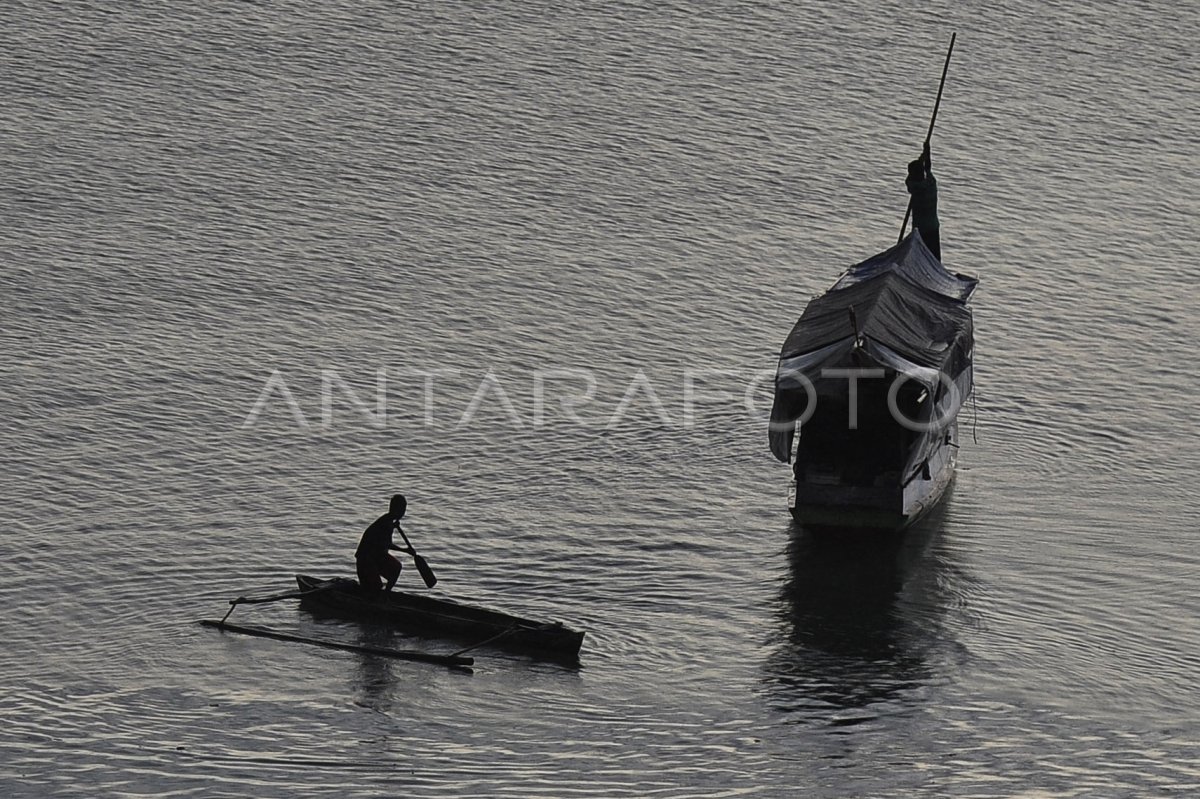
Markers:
{"x": 441, "y": 618}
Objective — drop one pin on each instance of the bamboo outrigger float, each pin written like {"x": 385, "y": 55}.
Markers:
{"x": 453, "y": 660}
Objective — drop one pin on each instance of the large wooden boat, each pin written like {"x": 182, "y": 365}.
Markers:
{"x": 442, "y": 618}
{"x": 868, "y": 389}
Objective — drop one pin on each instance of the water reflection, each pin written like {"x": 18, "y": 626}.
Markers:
{"x": 861, "y": 622}
{"x": 375, "y": 680}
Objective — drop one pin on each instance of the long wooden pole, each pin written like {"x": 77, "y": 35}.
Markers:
{"x": 933, "y": 120}
{"x": 456, "y": 661}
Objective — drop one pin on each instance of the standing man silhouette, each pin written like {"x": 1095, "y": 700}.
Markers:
{"x": 922, "y": 185}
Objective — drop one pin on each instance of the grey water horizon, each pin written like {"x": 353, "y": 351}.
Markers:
{"x": 266, "y": 264}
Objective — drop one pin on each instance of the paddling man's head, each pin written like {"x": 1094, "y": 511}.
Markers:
{"x": 916, "y": 169}
{"x": 398, "y": 506}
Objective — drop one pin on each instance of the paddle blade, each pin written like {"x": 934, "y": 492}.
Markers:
{"x": 426, "y": 573}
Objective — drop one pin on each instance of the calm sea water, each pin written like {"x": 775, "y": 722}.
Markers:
{"x": 531, "y": 264}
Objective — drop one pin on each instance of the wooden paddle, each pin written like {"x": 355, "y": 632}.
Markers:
{"x": 422, "y": 565}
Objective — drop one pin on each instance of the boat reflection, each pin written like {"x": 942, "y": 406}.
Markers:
{"x": 374, "y": 682}
{"x": 861, "y": 622}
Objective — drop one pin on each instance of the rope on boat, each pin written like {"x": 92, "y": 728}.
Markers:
{"x": 974, "y": 410}
{"x": 512, "y": 628}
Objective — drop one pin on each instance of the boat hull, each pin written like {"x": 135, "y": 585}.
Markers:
{"x": 879, "y": 507}
{"x": 869, "y": 384}
{"x": 434, "y": 617}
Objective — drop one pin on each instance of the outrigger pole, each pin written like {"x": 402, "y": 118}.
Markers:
{"x": 233, "y": 603}
{"x": 929, "y": 134}
{"x": 454, "y": 661}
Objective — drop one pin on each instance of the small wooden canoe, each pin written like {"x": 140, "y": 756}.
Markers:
{"x": 441, "y": 618}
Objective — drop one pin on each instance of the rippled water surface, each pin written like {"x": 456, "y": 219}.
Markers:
{"x": 531, "y": 264}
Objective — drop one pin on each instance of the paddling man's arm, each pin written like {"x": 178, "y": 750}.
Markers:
{"x": 398, "y": 548}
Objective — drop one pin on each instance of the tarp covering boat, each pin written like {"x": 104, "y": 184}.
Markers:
{"x": 901, "y": 311}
